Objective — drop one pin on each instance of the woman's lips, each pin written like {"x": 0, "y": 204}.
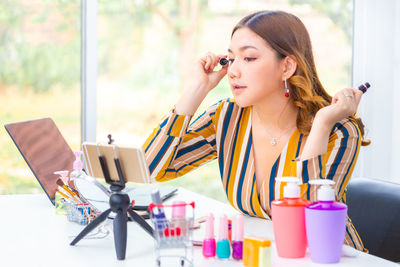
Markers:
{"x": 238, "y": 88}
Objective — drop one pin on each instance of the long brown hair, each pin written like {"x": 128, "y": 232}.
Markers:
{"x": 287, "y": 35}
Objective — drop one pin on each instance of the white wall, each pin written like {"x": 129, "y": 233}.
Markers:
{"x": 376, "y": 59}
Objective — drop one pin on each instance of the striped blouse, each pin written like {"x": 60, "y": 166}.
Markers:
{"x": 224, "y": 132}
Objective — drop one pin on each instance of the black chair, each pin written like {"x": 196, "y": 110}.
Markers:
{"x": 374, "y": 208}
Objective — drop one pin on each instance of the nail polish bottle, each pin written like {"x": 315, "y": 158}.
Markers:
{"x": 179, "y": 216}
{"x": 209, "y": 244}
{"x": 223, "y": 247}
{"x": 230, "y": 231}
{"x": 237, "y": 243}
{"x": 159, "y": 215}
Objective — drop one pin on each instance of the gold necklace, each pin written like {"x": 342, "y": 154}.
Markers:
{"x": 274, "y": 140}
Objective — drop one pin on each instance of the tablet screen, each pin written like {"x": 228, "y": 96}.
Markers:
{"x": 132, "y": 161}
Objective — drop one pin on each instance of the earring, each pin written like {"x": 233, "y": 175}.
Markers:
{"x": 286, "y": 89}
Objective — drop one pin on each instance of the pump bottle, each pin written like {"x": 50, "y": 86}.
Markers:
{"x": 288, "y": 220}
{"x": 78, "y": 167}
{"x": 325, "y": 224}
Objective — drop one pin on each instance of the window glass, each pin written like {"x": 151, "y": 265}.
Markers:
{"x": 39, "y": 77}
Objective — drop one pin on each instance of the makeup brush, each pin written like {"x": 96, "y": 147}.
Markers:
{"x": 64, "y": 195}
{"x": 61, "y": 184}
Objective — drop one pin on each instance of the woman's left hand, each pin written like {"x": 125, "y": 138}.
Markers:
{"x": 344, "y": 104}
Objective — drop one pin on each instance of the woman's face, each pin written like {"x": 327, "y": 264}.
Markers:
{"x": 254, "y": 71}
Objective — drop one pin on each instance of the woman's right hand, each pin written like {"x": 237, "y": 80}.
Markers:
{"x": 204, "y": 80}
{"x": 204, "y": 75}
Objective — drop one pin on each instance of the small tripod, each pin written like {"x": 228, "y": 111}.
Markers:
{"x": 120, "y": 204}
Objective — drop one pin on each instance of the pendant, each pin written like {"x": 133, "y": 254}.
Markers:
{"x": 273, "y": 141}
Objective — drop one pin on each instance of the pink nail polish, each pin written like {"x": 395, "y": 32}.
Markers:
{"x": 209, "y": 244}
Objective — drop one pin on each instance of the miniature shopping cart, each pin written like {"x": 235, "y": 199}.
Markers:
{"x": 82, "y": 213}
{"x": 173, "y": 231}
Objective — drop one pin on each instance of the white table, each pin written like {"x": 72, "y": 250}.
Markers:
{"x": 31, "y": 234}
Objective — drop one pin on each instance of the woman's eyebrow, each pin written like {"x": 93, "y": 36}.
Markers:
{"x": 243, "y": 48}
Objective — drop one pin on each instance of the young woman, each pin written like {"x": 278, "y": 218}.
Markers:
{"x": 281, "y": 121}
